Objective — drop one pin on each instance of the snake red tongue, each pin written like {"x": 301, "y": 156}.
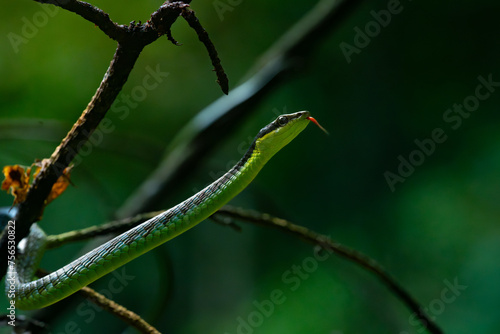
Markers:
{"x": 312, "y": 119}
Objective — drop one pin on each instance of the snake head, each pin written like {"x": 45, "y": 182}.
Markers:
{"x": 280, "y": 132}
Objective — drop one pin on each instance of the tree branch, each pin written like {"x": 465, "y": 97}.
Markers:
{"x": 32, "y": 208}
{"x": 116, "y": 227}
{"x": 344, "y": 251}
{"x": 113, "y": 227}
{"x": 190, "y": 17}
{"x": 129, "y": 317}
{"x": 131, "y": 41}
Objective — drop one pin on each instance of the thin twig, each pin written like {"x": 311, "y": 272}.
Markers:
{"x": 112, "y": 227}
{"x": 344, "y": 251}
{"x": 192, "y": 20}
{"x": 116, "y": 227}
{"x": 129, "y": 317}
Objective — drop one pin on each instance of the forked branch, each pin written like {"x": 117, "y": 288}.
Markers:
{"x": 131, "y": 41}
{"x": 266, "y": 220}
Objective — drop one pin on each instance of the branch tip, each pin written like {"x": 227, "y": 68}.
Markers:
{"x": 194, "y": 23}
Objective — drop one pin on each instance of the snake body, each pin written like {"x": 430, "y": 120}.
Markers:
{"x": 38, "y": 293}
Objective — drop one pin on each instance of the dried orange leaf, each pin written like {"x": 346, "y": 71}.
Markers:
{"x": 16, "y": 182}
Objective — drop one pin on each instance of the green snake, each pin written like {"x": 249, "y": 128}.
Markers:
{"x": 42, "y": 292}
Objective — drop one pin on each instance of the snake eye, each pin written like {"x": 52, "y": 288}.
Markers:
{"x": 282, "y": 120}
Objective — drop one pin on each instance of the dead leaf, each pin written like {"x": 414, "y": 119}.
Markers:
{"x": 18, "y": 181}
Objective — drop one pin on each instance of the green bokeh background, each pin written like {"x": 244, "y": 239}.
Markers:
{"x": 438, "y": 227}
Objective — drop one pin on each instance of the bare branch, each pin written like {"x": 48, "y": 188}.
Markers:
{"x": 116, "y": 227}
{"x": 32, "y": 208}
{"x": 212, "y": 52}
{"x": 129, "y": 317}
{"x": 113, "y": 227}
{"x": 131, "y": 41}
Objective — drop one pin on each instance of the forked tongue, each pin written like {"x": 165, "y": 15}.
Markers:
{"x": 312, "y": 119}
